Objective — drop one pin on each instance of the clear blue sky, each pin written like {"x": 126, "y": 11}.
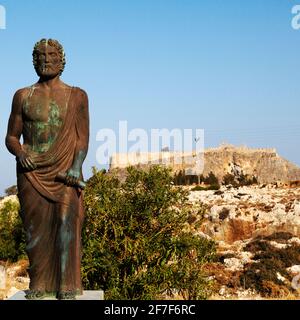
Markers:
{"x": 230, "y": 67}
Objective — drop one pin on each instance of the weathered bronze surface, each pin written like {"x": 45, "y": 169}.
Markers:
{"x": 53, "y": 119}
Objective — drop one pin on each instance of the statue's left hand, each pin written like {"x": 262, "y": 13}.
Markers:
{"x": 72, "y": 177}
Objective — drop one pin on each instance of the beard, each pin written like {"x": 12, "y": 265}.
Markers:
{"x": 48, "y": 71}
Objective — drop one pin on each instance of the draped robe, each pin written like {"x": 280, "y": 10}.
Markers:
{"x": 52, "y": 212}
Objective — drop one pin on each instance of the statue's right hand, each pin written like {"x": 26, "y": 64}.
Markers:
{"x": 26, "y": 162}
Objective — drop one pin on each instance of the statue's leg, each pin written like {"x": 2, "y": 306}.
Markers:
{"x": 69, "y": 246}
{"x": 38, "y": 218}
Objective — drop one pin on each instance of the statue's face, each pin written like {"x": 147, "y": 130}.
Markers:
{"x": 49, "y": 62}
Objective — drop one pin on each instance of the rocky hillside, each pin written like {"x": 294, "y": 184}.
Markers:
{"x": 264, "y": 164}
{"x": 257, "y": 230}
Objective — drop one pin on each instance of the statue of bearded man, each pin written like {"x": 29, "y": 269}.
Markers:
{"x": 53, "y": 119}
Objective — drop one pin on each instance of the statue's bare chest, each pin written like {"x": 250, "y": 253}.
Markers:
{"x": 44, "y": 113}
{"x": 46, "y": 107}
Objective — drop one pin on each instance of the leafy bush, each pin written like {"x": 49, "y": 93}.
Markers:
{"x": 12, "y": 237}
{"x": 180, "y": 178}
{"x": 229, "y": 179}
{"x": 246, "y": 180}
{"x": 137, "y": 243}
{"x": 200, "y": 188}
{"x": 239, "y": 181}
{"x": 211, "y": 179}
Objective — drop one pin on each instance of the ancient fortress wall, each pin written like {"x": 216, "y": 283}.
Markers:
{"x": 265, "y": 164}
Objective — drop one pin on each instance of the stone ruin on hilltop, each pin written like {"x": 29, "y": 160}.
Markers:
{"x": 263, "y": 164}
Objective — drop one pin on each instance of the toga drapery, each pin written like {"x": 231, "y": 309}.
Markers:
{"x": 52, "y": 212}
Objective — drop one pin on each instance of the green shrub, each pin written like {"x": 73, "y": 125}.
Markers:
{"x": 200, "y": 188}
{"x": 239, "y": 181}
{"x": 180, "y": 178}
{"x": 246, "y": 180}
{"x": 136, "y": 240}
{"x": 211, "y": 179}
{"x": 230, "y": 179}
{"x": 12, "y": 237}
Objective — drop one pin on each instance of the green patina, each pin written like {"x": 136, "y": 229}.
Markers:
{"x": 79, "y": 158}
{"x": 65, "y": 237}
{"x": 54, "y": 115}
{"x": 26, "y": 106}
{"x": 46, "y": 132}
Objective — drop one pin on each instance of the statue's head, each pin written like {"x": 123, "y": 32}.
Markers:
{"x": 48, "y": 58}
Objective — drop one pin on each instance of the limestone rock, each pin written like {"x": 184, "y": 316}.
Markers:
{"x": 233, "y": 264}
{"x": 294, "y": 269}
{"x": 2, "y": 278}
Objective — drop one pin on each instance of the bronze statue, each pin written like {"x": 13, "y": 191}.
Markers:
{"x": 53, "y": 119}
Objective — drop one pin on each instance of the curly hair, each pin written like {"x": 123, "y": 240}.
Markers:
{"x": 53, "y": 43}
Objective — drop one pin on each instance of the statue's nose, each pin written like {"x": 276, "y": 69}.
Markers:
{"x": 46, "y": 57}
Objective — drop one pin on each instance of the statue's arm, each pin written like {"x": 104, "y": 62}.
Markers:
{"x": 14, "y": 131}
{"x": 15, "y": 126}
{"x": 82, "y": 130}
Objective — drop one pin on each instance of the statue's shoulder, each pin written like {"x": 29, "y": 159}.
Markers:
{"x": 79, "y": 91}
{"x": 22, "y": 93}
{"x": 81, "y": 95}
